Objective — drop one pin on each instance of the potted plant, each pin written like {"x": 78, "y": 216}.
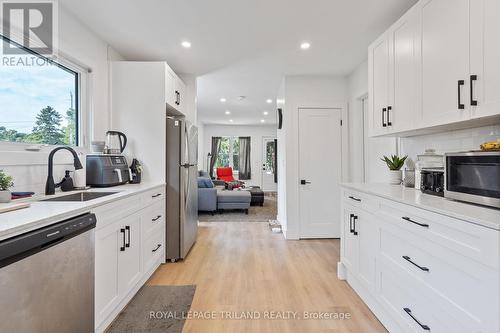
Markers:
{"x": 395, "y": 163}
{"x": 5, "y": 184}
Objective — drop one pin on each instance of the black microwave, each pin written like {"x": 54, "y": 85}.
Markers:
{"x": 473, "y": 177}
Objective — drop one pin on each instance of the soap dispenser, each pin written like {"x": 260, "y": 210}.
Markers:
{"x": 67, "y": 183}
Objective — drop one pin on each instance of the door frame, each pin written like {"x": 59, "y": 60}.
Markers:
{"x": 344, "y": 162}
{"x": 266, "y": 137}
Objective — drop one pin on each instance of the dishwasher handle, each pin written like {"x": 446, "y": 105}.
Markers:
{"x": 19, "y": 247}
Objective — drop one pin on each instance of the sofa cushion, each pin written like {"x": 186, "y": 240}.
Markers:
{"x": 204, "y": 182}
{"x": 234, "y": 196}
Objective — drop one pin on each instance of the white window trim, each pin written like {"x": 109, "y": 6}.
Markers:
{"x": 20, "y": 153}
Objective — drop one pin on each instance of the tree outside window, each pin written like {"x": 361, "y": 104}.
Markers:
{"x": 229, "y": 155}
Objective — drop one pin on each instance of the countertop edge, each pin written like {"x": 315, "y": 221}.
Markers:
{"x": 469, "y": 219}
{"x": 36, "y": 224}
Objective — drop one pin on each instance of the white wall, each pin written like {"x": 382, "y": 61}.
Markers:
{"x": 255, "y": 132}
{"x": 82, "y": 46}
{"x": 452, "y": 141}
{"x": 302, "y": 91}
{"x": 202, "y": 156}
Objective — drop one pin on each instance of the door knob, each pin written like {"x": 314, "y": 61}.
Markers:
{"x": 304, "y": 182}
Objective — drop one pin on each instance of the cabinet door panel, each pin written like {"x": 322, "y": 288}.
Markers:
{"x": 170, "y": 87}
{"x": 485, "y": 55}
{"x": 368, "y": 235}
{"x": 379, "y": 58}
{"x": 445, "y": 60}
{"x": 129, "y": 261}
{"x": 350, "y": 243}
{"x": 107, "y": 244}
{"x": 404, "y": 88}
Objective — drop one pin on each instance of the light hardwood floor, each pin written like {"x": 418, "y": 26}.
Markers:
{"x": 240, "y": 267}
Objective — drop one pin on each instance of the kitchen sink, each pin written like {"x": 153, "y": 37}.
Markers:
{"x": 82, "y": 196}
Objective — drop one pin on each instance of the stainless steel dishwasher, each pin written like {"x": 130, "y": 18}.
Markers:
{"x": 47, "y": 279}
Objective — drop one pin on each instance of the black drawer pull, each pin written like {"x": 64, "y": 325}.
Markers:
{"x": 425, "y": 327}
{"x": 355, "y": 199}
{"x": 415, "y": 264}
{"x": 128, "y": 238}
{"x": 157, "y": 247}
{"x": 406, "y": 218}
{"x": 351, "y": 228}
{"x": 156, "y": 218}
{"x": 156, "y": 195}
{"x": 122, "y": 248}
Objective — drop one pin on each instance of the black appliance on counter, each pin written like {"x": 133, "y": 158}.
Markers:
{"x": 107, "y": 170}
{"x": 473, "y": 177}
{"x": 135, "y": 171}
{"x": 432, "y": 182}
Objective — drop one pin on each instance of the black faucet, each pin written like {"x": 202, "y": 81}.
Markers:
{"x": 50, "y": 187}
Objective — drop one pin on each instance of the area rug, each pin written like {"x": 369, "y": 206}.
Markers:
{"x": 255, "y": 213}
{"x": 155, "y": 309}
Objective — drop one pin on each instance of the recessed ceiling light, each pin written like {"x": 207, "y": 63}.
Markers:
{"x": 265, "y": 113}
{"x": 186, "y": 44}
{"x": 269, "y": 101}
{"x": 262, "y": 120}
{"x": 230, "y": 120}
{"x": 223, "y": 100}
{"x": 305, "y": 45}
{"x": 228, "y": 112}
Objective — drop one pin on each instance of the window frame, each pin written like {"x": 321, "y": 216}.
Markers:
{"x": 82, "y": 82}
{"x": 231, "y": 153}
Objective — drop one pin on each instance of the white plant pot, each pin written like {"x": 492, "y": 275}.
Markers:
{"x": 395, "y": 177}
{"x": 5, "y": 196}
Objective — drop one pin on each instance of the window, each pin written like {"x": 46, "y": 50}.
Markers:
{"x": 39, "y": 99}
{"x": 229, "y": 155}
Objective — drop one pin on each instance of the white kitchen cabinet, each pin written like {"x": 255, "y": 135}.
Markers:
{"x": 125, "y": 233}
{"x": 175, "y": 90}
{"x": 445, "y": 61}
{"x": 415, "y": 268}
{"x": 379, "y": 75}
{"x": 484, "y": 76}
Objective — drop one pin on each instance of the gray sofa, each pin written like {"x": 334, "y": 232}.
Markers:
{"x": 212, "y": 199}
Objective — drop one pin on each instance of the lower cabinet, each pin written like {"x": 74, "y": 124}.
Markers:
{"x": 412, "y": 277}
{"x": 129, "y": 246}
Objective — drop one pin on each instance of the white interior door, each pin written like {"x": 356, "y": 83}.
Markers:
{"x": 320, "y": 172}
{"x": 268, "y": 164}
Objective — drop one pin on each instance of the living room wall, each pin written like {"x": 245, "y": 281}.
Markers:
{"x": 256, "y": 132}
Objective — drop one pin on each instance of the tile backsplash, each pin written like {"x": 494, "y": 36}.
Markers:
{"x": 452, "y": 141}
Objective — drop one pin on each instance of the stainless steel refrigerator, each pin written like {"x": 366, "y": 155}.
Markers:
{"x": 182, "y": 188}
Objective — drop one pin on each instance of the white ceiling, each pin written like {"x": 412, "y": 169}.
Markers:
{"x": 241, "y": 47}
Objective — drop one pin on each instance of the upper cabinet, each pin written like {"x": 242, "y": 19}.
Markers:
{"x": 442, "y": 68}
{"x": 175, "y": 90}
{"x": 484, "y": 76}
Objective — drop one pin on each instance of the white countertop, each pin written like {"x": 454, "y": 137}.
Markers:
{"x": 484, "y": 216}
{"x": 43, "y": 213}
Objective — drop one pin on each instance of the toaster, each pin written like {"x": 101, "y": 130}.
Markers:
{"x": 107, "y": 170}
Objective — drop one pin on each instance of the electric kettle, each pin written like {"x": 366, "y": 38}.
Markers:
{"x": 115, "y": 142}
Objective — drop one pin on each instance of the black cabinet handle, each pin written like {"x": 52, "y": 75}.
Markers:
{"x": 384, "y": 110}
{"x": 351, "y": 228}
{"x": 406, "y": 218}
{"x": 156, "y": 218}
{"x": 127, "y": 228}
{"x": 156, "y": 195}
{"x": 415, "y": 264}
{"x": 424, "y": 327}
{"x": 354, "y": 225}
{"x": 177, "y": 94}
{"x": 122, "y": 248}
{"x": 304, "y": 182}
{"x": 355, "y": 199}
{"x": 156, "y": 249}
{"x": 473, "y": 78}
{"x": 389, "y": 123}
{"x": 460, "y": 84}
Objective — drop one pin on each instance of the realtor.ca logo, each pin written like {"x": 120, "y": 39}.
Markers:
{"x": 30, "y": 24}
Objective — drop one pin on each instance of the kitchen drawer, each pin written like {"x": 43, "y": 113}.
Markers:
{"x": 152, "y": 250}
{"x": 360, "y": 200}
{"x": 153, "y": 220}
{"x": 152, "y": 196}
{"x": 455, "y": 282}
{"x": 470, "y": 240}
{"x": 116, "y": 210}
{"x": 398, "y": 291}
